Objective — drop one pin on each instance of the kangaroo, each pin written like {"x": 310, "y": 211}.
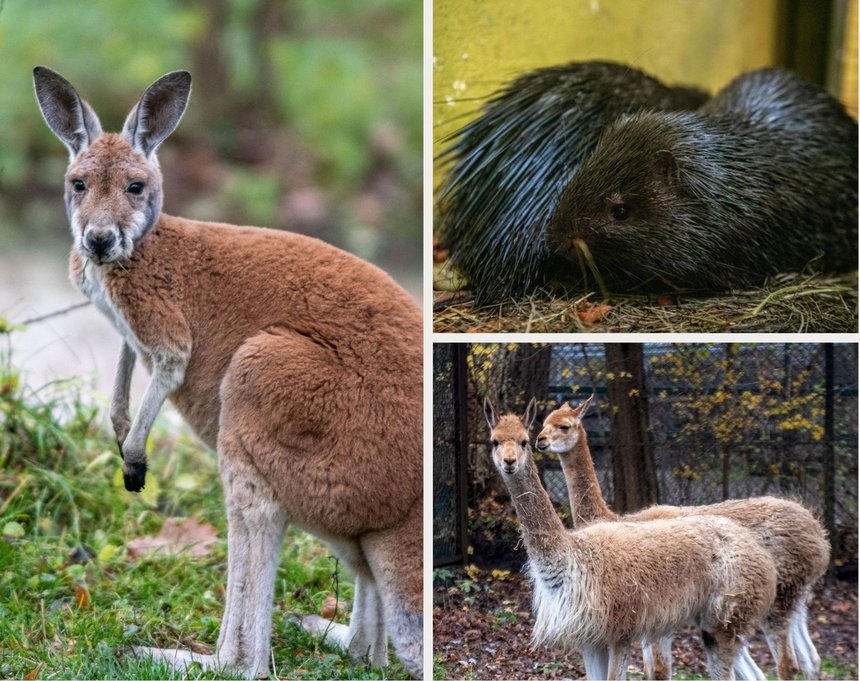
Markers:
{"x": 298, "y": 363}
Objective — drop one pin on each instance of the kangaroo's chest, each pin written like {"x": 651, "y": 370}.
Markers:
{"x": 90, "y": 281}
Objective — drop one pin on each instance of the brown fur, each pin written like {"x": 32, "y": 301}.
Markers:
{"x": 602, "y": 586}
{"x": 788, "y": 531}
{"x": 300, "y": 363}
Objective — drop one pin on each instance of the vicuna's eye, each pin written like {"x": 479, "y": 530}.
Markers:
{"x": 495, "y": 443}
{"x": 564, "y": 428}
{"x": 524, "y": 444}
{"x": 78, "y": 185}
{"x": 620, "y": 211}
{"x": 135, "y": 188}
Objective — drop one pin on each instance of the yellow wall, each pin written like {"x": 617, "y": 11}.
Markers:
{"x": 478, "y": 45}
{"x": 848, "y": 90}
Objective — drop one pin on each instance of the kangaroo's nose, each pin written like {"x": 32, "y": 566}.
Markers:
{"x": 99, "y": 243}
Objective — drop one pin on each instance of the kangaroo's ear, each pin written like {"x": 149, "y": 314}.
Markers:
{"x": 67, "y": 115}
{"x": 158, "y": 112}
{"x": 531, "y": 413}
{"x": 490, "y": 413}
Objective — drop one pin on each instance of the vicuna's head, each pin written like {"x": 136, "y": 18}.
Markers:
{"x": 509, "y": 435}
{"x": 113, "y": 183}
{"x": 562, "y": 429}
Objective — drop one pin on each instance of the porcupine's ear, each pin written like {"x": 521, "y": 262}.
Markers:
{"x": 666, "y": 166}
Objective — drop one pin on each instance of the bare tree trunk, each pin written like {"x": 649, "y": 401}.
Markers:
{"x": 209, "y": 55}
{"x": 634, "y": 472}
{"x": 519, "y": 372}
{"x": 829, "y": 457}
{"x": 729, "y": 381}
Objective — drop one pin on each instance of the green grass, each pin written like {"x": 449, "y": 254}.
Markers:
{"x": 71, "y": 598}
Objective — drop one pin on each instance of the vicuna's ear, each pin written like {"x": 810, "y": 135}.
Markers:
{"x": 490, "y": 413}
{"x": 158, "y": 112}
{"x": 67, "y": 115}
{"x": 582, "y": 408}
{"x": 531, "y": 414}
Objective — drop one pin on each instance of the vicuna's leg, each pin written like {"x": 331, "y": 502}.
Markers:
{"x": 721, "y": 648}
{"x": 617, "y": 667}
{"x": 364, "y": 638}
{"x": 596, "y": 662}
{"x": 395, "y": 558}
{"x": 746, "y": 668}
{"x": 255, "y": 530}
{"x": 805, "y": 652}
{"x": 777, "y": 631}
{"x": 657, "y": 659}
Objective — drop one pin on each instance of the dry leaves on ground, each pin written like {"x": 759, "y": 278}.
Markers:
{"x": 178, "y": 535}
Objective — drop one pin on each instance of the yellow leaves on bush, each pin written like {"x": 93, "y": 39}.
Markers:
{"x": 686, "y": 472}
{"x": 501, "y": 574}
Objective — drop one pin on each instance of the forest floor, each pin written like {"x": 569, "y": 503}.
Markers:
{"x": 482, "y": 622}
{"x": 482, "y": 618}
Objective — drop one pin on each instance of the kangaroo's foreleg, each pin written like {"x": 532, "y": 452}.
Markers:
{"x": 168, "y": 372}
{"x": 119, "y": 415}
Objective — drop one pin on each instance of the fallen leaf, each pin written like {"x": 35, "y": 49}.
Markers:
{"x": 82, "y": 597}
{"x": 589, "y": 313}
{"x": 185, "y": 536}
{"x": 332, "y": 607}
{"x": 13, "y": 530}
{"x": 841, "y": 606}
{"x": 34, "y": 673}
{"x": 665, "y": 300}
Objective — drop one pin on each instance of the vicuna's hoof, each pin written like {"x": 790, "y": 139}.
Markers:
{"x": 134, "y": 475}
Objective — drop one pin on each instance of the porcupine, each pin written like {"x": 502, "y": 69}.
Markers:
{"x": 761, "y": 180}
{"x": 510, "y": 164}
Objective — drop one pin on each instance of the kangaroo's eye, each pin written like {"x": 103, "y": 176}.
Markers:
{"x": 135, "y": 188}
{"x": 78, "y": 185}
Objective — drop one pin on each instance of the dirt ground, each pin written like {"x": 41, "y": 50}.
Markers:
{"x": 482, "y": 622}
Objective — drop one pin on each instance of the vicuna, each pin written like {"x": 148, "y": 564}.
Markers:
{"x": 300, "y": 364}
{"x": 790, "y": 533}
{"x": 601, "y": 587}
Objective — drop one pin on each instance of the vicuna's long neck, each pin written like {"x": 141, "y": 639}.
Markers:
{"x": 543, "y": 531}
{"x": 586, "y": 500}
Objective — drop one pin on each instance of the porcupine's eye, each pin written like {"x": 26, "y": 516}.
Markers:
{"x": 619, "y": 211}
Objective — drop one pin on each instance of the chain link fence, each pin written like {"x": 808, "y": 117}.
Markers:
{"x": 725, "y": 421}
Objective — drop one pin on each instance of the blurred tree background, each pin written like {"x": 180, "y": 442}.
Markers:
{"x": 304, "y": 115}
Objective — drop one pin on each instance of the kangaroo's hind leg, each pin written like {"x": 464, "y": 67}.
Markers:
{"x": 255, "y": 529}
{"x": 395, "y": 557}
{"x": 364, "y": 638}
